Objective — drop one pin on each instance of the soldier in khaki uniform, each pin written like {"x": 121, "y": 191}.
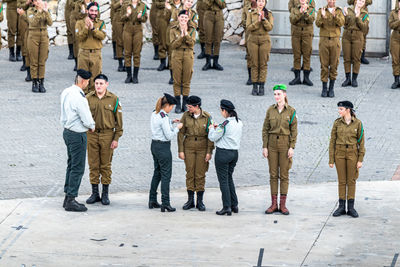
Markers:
{"x": 90, "y": 32}
{"x": 214, "y": 30}
{"x": 157, "y": 6}
{"x": 183, "y": 38}
{"x": 330, "y": 19}
{"x": 302, "y": 19}
{"x": 248, "y": 6}
{"x": 38, "y": 42}
{"x": 279, "y": 136}
{"x": 296, "y": 3}
{"x": 195, "y": 149}
{"x": 117, "y": 29}
{"x": 201, "y": 9}
{"x": 12, "y": 30}
{"x": 67, "y": 15}
{"x": 356, "y": 22}
{"x": 1, "y": 18}
{"x": 22, "y": 7}
{"x": 259, "y": 22}
{"x": 346, "y": 151}
{"x": 107, "y": 113}
{"x": 134, "y": 16}
{"x": 394, "y": 24}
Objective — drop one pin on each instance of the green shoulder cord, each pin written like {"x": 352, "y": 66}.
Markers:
{"x": 312, "y": 11}
{"x": 208, "y": 124}
{"x": 101, "y": 27}
{"x": 144, "y": 10}
{"x": 1, "y": 8}
{"x": 294, "y": 114}
{"x": 365, "y": 17}
{"x": 192, "y": 32}
{"x": 116, "y": 105}
{"x": 361, "y": 135}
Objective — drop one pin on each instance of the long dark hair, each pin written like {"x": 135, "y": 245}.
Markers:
{"x": 232, "y": 113}
{"x": 353, "y": 113}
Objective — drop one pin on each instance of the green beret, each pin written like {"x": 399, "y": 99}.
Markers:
{"x": 282, "y": 87}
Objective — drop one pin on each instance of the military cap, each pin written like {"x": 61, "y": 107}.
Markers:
{"x": 183, "y": 12}
{"x": 102, "y": 77}
{"x": 345, "y": 104}
{"x": 170, "y": 99}
{"x": 92, "y": 4}
{"x": 84, "y": 74}
{"x": 282, "y": 87}
{"x": 227, "y": 105}
{"x": 194, "y": 100}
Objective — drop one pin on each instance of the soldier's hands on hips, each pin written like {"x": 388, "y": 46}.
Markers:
{"x": 359, "y": 165}
{"x": 331, "y": 165}
{"x": 114, "y": 144}
{"x": 290, "y": 153}
{"x": 208, "y": 157}
{"x": 265, "y": 152}
{"x": 181, "y": 155}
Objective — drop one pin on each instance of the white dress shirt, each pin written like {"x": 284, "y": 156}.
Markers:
{"x": 161, "y": 127}
{"x": 227, "y": 135}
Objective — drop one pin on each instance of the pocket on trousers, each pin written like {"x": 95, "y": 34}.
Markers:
{"x": 340, "y": 154}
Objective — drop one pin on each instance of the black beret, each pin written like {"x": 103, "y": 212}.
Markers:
{"x": 102, "y": 77}
{"x": 194, "y": 100}
{"x": 345, "y": 104}
{"x": 84, "y": 74}
{"x": 170, "y": 99}
{"x": 92, "y": 4}
{"x": 183, "y": 12}
{"x": 227, "y": 105}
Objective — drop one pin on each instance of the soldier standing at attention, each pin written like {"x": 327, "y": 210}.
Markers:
{"x": 117, "y": 29}
{"x": 162, "y": 132}
{"x": 38, "y": 43}
{"x": 183, "y": 38}
{"x": 67, "y": 15}
{"x": 214, "y": 30}
{"x": 279, "y": 136}
{"x": 226, "y": 137}
{"x": 90, "y": 32}
{"x": 107, "y": 114}
{"x": 76, "y": 120}
{"x": 201, "y": 8}
{"x": 346, "y": 152}
{"x": 330, "y": 19}
{"x": 134, "y": 15}
{"x": 356, "y": 22}
{"x": 259, "y": 23}
{"x": 394, "y": 24}
{"x": 12, "y": 30}
{"x": 248, "y": 6}
{"x": 155, "y": 9}
{"x": 196, "y": 150}
{"x": 302, "y": 19}
{"x": 22, "y": 7}
{"x": 1, "y": 18}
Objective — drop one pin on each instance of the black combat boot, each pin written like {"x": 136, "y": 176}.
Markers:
{"x": 396, "y": 83}
{"x": 296, "y": 79}
{"x": 12, "y": 55}
{"x": 184, "y": 103}
{"x": 23, "y": 67}
{"x": 114, "y": 46}
{"x": 235, "y": 209}
{"x": 65, "y": 202}
{"x": 72, "y": 205}
{"x": 225, "y": 210}
{"x": 128, "y": 75}
{"x": 28, "y": 77}
{"x": 331, "y": 92}
{"x": 261, "y": 89}
{"x": 156, "y": 56}
{"x": 154, "y": 205}
{"x": 202, "y": 53}
{"x": 341, "y": 210}
{"x": 41, "y": 86}
{"x": 163, "y": 64}
{"x": 178, "y": 108}
{"x": 168, "y": 208}
{"x": 363, "y": 59}
{"x": 121, "y": 65}
{"x": 207, "y": 66}
{"x": 35, "y": 85}
{"x": 354, "y": 82}
{"x": 71, "y": 51}
{"x": 95, "y": 196}
{"x": 324, "y": 89}
{"x": 171, "y": 79}
{"x": 199, "y": 204}
{"x": 350, "y": 208}
{"x": 347, "y": 82}
{"x": 249, "y": 80}
{"x": 216, "y": 65}
{"x": 190, "y": 202}
{"x": 255, "y": 89}
{"x": 135, "y": 78}
{"x": 76, "y": 64}
{"x": 306, "y": 79}
{"x": 104, "y": 195}
{"x": 18, "y": 54}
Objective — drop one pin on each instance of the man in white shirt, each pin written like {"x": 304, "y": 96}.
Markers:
{"x": 76, "y": 120}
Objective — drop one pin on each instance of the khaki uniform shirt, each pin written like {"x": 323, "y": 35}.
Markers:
{"x": 90, "y": 39}
{"x": 259, "y": 27}
{"x": 177, "y": 41}
{"x": 301, "y": 20}
{"x": 330, "y": 26}
{"x": 79, "y": 9}
{"x": 106, "y": 112}
{"x": 295, "y": 3}
{"x": 38, "y": 20}
{"x": 132, "y": 19}
{"x": 359, "y": 23}
{"x": 394, "y": 23}
{"x": 193, "y": 18}
{"x": 284, "y": 123}
{"x": 215, "y": 5}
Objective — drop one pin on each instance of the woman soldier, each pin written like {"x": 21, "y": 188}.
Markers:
{"x": 183, "y": 38}
{"x": 394, "y": 24}
{"x": 227, "y": 140}
{"x": 259, "y": 23}
{"x": 38, "y": 43}
{"x": 134, "y": 15}
{"x": 162, "y": 132}
{"x": 195, "y": 149}
{"x": 356, "y": 23}
{"x": 346, "y": 152}
{"x": 279, "y": 139}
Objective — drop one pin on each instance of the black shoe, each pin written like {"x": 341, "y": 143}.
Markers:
{"x": 71, "y": 51}
{"x": 203, "y": 51}
{"x": 135, "y": 75}
{"x": 121, "y": 67}
{"x": 35, "y": 85}
{"x": 168, "y": 208}
{"x": 72, "y": 205}
{"x": 65, "y": 202}
{"x": 341, "y": 210}
{"x": 292, "y": 69}
{"x": 363, "y": 59}
{"x": 354, "y": 82}
{"x": 331, "y": 92}
{"x": 324, "y": 89}
{"x": 114, "y": 46}
{"x": 235, "y": 209}
{"x": 163, "y": 65}
{"x": 199, "y": 204}
{"x": 306, "y": 79}
{"x": 190, "y": 202}
{"x": 255, "y": 89}
{"x": 171, "y": 79}
{"x": 104, "y": 195}
{"x": 261, "y": 89}
{"x": 207, "y": 66}
{"x": 396, "y": 83}
{"x": 128, "y": 75}
{"x": 350, "y": 208}
{"x": 249, "y": 80}
{"x": 18, "y": 54}
{"x": 12, "y": 55}
{"x": 225, "y": 210}
{"x": 23, "y": 67}
{"x": 41, "y": 86}
{"x": 178, "y": 108}
{"x": 296, "y": 79}
{"x": 154, "y": 205}
{"x": 28, "y": 77}
{"x": 216, "y": 65}
{"x": 156, "y": 56}
{"x": 95, "y": 196}
{"x": 184, "y": 103}
{"x": 76, "y": 64}
{"x": 347, "y": 82}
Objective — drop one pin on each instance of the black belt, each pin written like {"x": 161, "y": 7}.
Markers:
{"x": 136, "y": 23}
{"x": 162, "y": 142}
{"x": 90, "y": 50}
{"x": 37, "y": 30}
{"x": 103, "y": 130}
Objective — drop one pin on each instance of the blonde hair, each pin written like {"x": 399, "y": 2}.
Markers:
{"x": 161, "y": 102}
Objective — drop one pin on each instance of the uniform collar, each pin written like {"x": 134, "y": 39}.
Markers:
{"x": 276, "y": 106}
{"x": 202, "y": 114}
{"x": 107, "y": 94}
{"x": 344, "y": 121}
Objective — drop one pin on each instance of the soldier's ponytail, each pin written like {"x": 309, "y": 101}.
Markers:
{"x": 233, "y": 113}
{"x": 353, "y": 113}
{"x": 286, "y": 100}
{"x": 161, "y": 102}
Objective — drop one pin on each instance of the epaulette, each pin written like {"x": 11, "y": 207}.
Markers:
{"x": 163, "y": 115}
{"x": 82, "y": 94}
{"x": 224, "y": 123}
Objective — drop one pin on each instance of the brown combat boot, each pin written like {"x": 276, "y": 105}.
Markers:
{"x": 274, "y": 206}
{"x": 282, "y": 205}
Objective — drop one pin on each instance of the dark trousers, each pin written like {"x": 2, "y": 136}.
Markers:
{"x": 162, "y": 157}
{"x": 76, "y": 147}
{"x": 225, "y": 162}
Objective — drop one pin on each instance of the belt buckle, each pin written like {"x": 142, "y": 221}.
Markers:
{"x": 277, "y": 137}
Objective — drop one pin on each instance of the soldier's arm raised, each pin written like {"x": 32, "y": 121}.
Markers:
{"x": 394, "y": 22}
{"x": 268, "y": 24}
{"x": 295, "y": 16}
{"x": 100, "y": 33}
{"x": 363, "y": 21}
{"x": 220, "y": 3}
{"x": 49, "y": 20}
{"x": 175, "y": 41}
{"x": 319, "y": 21}
{"x": 339, "y": 19}
{"x": 81, "y": 31}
